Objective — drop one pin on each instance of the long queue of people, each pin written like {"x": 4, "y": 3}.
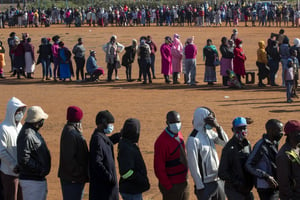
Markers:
{"x": 204, "y": 14}
{"x": 26, "y": 160}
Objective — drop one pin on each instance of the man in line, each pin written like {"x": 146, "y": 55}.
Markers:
{"x": 79, "y": 56}
{"x": 92, "y": 68}
{"x": 202, "y": 155}
{"x": 9, "y": 131}
{"x": 170, "y": 164}
{"x": 34, "y": 157}
{"x": 262, "y": 161}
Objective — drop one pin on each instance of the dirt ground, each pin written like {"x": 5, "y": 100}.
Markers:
{"x": 148, "y": 103}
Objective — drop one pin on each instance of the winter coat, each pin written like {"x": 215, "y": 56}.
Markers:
{"x": 129, "y": 55}
{"x": 132, "y": 168}
{"x": 177, "y": 54}
{"x": 9, "y": 132}
{"x": 166, "y": 59}
{"x": 261, "y": 53}
{"x": 239, "y": 59}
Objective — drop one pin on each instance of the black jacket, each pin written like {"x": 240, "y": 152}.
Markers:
{"x": 74, "y": 155}
{"x": 128, "y": 56}
{"x": 132, "y": 168}
{"x": 33, "y": 154}
{"x": 103, "y": 177}
{"x": 232, "y": 166}
{"x": 226, "y": 52}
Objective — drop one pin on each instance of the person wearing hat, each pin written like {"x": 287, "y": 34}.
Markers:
{"x": 288, "y": 169}
{"x": 133, "y": 173}
{"x": 177, "y": 54}
{"x": 238, "y": 181}
{"x": 74, "y": 156}
{"x": 102, "y": 168}
{"x": 55, "y": 48}
{"x": 79, "y": 56}
{"x": 34, "y": 158}
{"x": 9, "y": 131}
{"x": 202, "y": 155}
{"x": 262, "y": 161}
{"x": 112, "y": 50}
{"x": 166, "y": 58}
{"x": 65, "y": 63}
{"x": 92, "y": 68}
{"x": 170, "y": 162}
{"x": 190, "y": 53}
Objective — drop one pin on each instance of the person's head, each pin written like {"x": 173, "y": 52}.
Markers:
{"x": 261, "y": 44}
{"x": 224, "y": 40}
{"x": 239, "y": 128}
{"x": 28, "y": 40}
{"x": 113, "y": 38}
{"x": 285, "y": 40}
{"x": 238, "y": 43}
{"x": 55, "y": 38}
{"x": 176, "y": 36}
{"x": 290, "y": 63}
{"x": 74, "y": 114}
{"x": 274, "y": 129}
{"x": 105, "y": 121}
{"x": 201, "y": 116}
{"x": 131, "y": 130}
{"x": 292, "y": 131}
{"x": 44, "y": 41}
{"x": 142, "y": 42}
{"x": 168, "y": 40}
{"x": 281, "y": 31}
{"x": 12, "y": 34}
{"x": 61, "y": 44}
{"x": 134, "y": 43}
{"x": 36, "y": 116}
{"x": 173, "y": 122}
{"x": 149, "y": 38}
{"x": 79, "y": 40}
{"x": 297, "y": 42}
{"x": 294, "y": 52}
{"x": 190, "y": 40}
{"x": 208, "y": 42}
{"x": 93, "y": 53}
{"x": 235, "y": 31}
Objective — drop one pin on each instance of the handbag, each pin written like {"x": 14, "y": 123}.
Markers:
{"x": 216, "y": 61}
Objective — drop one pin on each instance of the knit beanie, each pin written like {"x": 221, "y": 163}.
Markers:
{"x": 74, "y": 114}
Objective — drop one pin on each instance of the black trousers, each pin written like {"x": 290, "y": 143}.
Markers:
{"x": 80, "y": 61}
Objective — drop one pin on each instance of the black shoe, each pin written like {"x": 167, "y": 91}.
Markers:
{"x": 261, "y": 85}
{"x": 139, "y": 80}
{"x": 274, "y": 84}
{"x": 154, "y": 77}
{"x": 144, "y": 82}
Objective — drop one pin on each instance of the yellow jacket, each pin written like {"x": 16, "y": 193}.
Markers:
{"x": 261, "y": 53}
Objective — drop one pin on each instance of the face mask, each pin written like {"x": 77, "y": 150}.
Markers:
{"x": 19, "y": 116}
{"x": 109, "y": 129}
{"x": 208, "y": 127}
{"x": 40, "y": 124}
{"x": 175, "y": 127}
{"x": 241, "y": 134}
{"x": 240, "y": 45}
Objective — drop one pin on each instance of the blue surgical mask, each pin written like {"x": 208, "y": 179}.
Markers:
{"x": 19, "y": 116}
{"x": 208, "y": 127}
{"x": 175, "y": 127}
{"x": 109, "y": 129}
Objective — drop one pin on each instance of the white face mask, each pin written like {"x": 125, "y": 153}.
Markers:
{"x": 19, "y": 116}
{"x": 109, "y": 129}
{"x": 240, "y": 45}
{"x": 175, "y": 127}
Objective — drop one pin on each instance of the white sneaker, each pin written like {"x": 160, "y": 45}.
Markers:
{"x": 117, "y": 78}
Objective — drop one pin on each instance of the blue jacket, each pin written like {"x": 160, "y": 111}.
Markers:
{"x": 91, "y": 65}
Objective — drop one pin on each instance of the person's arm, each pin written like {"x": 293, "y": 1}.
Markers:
{"x": 120, "y": 47}
{"x": 5, "y": 157}
{"x": 193, "y": 161}
{"x": 224, "y": 166}
{"x": 254, "y": 157}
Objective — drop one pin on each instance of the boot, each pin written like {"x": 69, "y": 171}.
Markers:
{"x": 167, "y": 80}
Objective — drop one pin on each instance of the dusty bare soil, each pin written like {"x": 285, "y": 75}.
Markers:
{"x": 148, "y": 103}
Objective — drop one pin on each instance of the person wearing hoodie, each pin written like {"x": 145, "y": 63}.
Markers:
{"x": 133, "y": 173}
{"x": 170, "y": 162}
{"x": 74, "y": 156}
{"x": 177, "y": 54}
{"x": 9, "y": 131}
{"x": 284, "y": 51}
{"x": 238, "y": 181}
{"x": 239, "y": 60}
{"x": 202, "y": 155}
{"x": 261, "y": 63}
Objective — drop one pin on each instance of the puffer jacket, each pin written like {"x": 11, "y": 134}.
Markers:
{"x": 202, "y": 156}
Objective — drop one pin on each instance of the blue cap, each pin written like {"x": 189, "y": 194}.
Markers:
{"x": 239, "y": 121}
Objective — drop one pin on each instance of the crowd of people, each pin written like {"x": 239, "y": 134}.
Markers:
{"x": 202, "y": 14}
{"x": 26, "y": 160}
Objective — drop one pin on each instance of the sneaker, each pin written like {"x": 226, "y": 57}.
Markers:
{"x": 289, "y": 101}
{"x": 117, "y": 78}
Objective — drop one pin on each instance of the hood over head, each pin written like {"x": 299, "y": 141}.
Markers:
{"x": 297, "y": 42}
{"x": 199, "y": 115}
{"x": 131, "y": 130}
{"x": 261, "y": 44}
{"x": 237, "y": 42}
{"x": 12, "y": 106}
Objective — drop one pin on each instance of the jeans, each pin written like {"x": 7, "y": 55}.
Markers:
{"x": 274, "y": 66}
{"x": 126, "y": 196}
{"x": 284, "y": 62}
{"x": 46, "y": 65}
{"x": 152, "y": 64}
{"x": 34, "y": 189}
{"x": 289, "y": 86}
{"x": 213, "y": 190}
{"x": 190, "y": 67}
{"x": 145, "y": 68}
{"x": 72, "y": 191}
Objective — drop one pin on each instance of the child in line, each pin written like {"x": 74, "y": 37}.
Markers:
{"x": 289, "y": 79}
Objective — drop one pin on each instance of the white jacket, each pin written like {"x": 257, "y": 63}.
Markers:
{"x": 202, "y": 156}
{"x": 9, "y": 132}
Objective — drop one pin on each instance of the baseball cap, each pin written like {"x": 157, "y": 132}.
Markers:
{"x": 239, "y": 121}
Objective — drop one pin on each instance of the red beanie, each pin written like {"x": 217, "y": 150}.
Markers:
{"x": 74, "y": 114}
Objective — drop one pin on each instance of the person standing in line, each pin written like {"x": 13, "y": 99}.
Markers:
{"x": 103, "y": 177}
{"x": 177, "y": 54}
{"x": 128, "y": 59}
{"x": 11, "y": 44}
{"x": 261, "y": 63}
{"x": 55, "y": 55}
{"x": 288, "y": 162}
{"x": 153, "y": 48}
{"x": 166, "y": 59}
{"x": 226, "y": 62}
{"x": 143, "y": 53}
{"x": 239, "y": 60}
{"x": 190, "y": 53}
{"x": 261, "y": 163}
{"x": 170, "y": 162}
{"x": 65, "y": 63}
{"x": 112, "y": 50}
{"x": 284, "y": 51}
{"x": 29, "y": 56}
{"x": 79, "y": 56}
{"x": 273, "y": 58}
{"x": 74, "y": 156}
{"x": 238, "y": 182}
{"x": 2, "y": 59}
{"x": 289, "y": 74}
{"x": 202, "y": 155}
{"x": 133, "y": 173}
{"x": 45, "y": 57}
{"x": 210, "y": 54}
{"x": 33, "y": 155}
{"x": 9, "y": 131}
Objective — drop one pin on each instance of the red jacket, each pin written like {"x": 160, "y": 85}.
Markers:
{"x": 239, "y": 59}
{"x": 167, "y": 166}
